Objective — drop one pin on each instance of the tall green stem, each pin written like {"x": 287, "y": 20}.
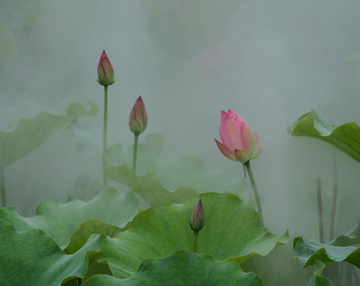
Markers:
{"x": 105, "y": 131}
{"x": 195, "y": 241}
{"x": 256, "y": 193}
{"x": 136, "y": 138}
{"x": 2, "y": 186}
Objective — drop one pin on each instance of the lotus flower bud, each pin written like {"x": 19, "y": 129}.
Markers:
{"x": 105, "y": 71}
{"x": 138, "y": 117}
{"x": 197, "y": 219}
{"x": 239, "y": 142}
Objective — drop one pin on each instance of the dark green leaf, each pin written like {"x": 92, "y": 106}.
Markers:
{"x": 33, "y": 258}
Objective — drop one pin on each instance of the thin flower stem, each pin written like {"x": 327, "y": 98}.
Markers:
{"x": 105, "y": 131}
{"x": 333, "y": 209}
{"x": 136, "y": 138}
{"x": 195, "y": 241}
{"x": 2, "y": 186}
{"x": 319, "y": 200}
{"x": 256, "y": 193}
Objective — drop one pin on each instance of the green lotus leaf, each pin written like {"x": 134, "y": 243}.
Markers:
{"x": 351, "y": 238}
{"x": 233, "y": 231}
{"x": 60, "y": 221}
{"x": 160, "y": 181}
{"x": 32, "y": 132}
{"x": 33, "y": 258}
{"x": 89, "y": 227}
{"x": 317, "y": 279}
{"x": 308, "y": 252}
{"x": 149, "y": 186}
{"x": 345, "y": 137}
{"x": 182, "y": 268}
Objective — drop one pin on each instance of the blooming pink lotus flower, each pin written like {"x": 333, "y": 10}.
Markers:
{"x": 239, "y": 142}
{"x": 138, "y": 117}
{"x": 197, "y": 219}
{"x": 105, "y": 70}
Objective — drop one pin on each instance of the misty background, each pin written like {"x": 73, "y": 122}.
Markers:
{"x": 270, "y": 61}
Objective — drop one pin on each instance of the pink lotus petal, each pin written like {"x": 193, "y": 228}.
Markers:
{"x": 226, "y": 151}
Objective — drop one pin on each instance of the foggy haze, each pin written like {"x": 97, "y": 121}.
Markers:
{"x": 270, "y": 61}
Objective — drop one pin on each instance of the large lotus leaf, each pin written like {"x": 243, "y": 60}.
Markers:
{"x": 182, "y": 268}
{"x": 159, "y": 178}
{"x": 317, "y": 279}
{"x": 60, "y": 221}
{"x": 345, "y": 137}
{"x": 31, "y": 132}
{"x": 307, "y": 252}
{"x": 33, "y": 258}
{"x": 233, "y": 231}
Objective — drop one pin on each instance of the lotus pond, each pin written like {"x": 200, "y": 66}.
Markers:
{"x": 179, "y": 143}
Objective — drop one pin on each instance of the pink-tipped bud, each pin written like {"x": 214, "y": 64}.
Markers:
{"x": 105, "y": 71}
{"x": 138, "y": 117}
{"x": 197, "y": 219}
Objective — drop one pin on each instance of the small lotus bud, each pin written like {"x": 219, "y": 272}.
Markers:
{"x": 197, "y": 219}
{"x": 105, "y": 71}
{"x": 138, "y": 117}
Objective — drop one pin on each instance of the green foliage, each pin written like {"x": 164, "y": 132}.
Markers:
{"x": 31, "y": 248}
{"x": 182, "y": 268}
{"x": 60, "y": 221}
{"x": 351, "y": 238}
{"x": 160, "y": 181}
{"x": 32, "y": 132}
{"x": 339, "y": 250}
{"x": 86, "y": 229}
{"x": 233, "y": 231}
{"x": 317, "y": 279}
{"x": 33, "y": 258}
{"x": 345, "y": 137}
{"x": 308, "y": 252}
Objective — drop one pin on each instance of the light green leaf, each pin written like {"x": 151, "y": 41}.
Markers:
{"x": 183, "y": 268}
{"x": 351, "y": 238}
{"x": 161, "y": 181}
{"x": 60, "y": 221}
{"x": 155, "y": 142}
{"x": 86, "y": 229}
{"x": 345, "y": 137}
{"x": 33, "y": 258}
{"x": 149, "y": 186}
{"x": 32, "y": 132}
{"x": 233, "y": 231}
{"x": 317, "y": 279}
{"x": 307, "y": 252}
